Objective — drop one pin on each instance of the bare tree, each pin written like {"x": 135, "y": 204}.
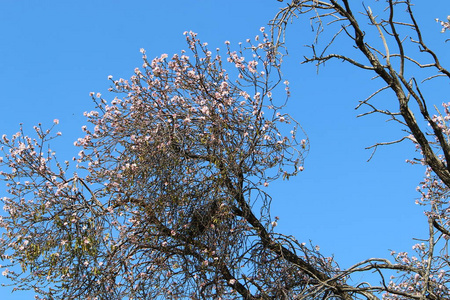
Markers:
{"x": 389, "y": 43}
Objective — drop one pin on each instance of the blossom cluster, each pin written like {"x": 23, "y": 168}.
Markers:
{"x": 445, "y": 24}
{"x": 428, "y": 271}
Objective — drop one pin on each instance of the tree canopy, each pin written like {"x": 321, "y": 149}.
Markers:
{"x": 165, "y": 199}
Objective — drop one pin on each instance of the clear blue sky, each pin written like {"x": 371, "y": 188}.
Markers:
{"x": 53, "y": 53}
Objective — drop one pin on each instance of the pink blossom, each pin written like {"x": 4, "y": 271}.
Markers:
{"x": 445, "y": 25}
{"x": 205, "y": 110}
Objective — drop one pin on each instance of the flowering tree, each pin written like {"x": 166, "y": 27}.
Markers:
{"x": 389, "y": 43}
{"x": 162, "y": 201}
{"x": 166, "y": 199}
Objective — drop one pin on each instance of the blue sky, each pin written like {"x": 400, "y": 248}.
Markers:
{"x": 53, "y": 53}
